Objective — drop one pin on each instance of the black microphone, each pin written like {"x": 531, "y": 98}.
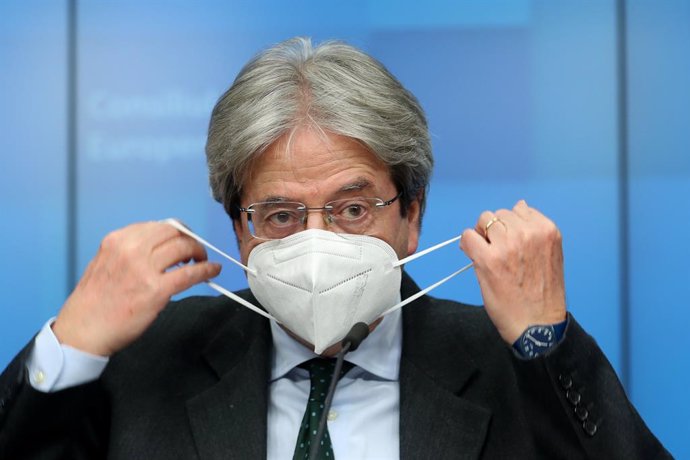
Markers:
{"x": 351, "y": 342}
{"x": 357, "y": 334}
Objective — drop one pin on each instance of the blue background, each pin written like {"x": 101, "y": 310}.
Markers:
{"x": 525, "y": 99}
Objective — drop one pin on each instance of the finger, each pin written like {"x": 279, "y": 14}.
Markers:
{"x": 487, "y": 220}
{"x": 484, "y": 218}
{"x": 180, "y": 248}
{"x": 474, "y": 246}
{"x": 494, "y": 228}
{"x": 156, "y": 233}
{"x": 532, "y": 215}
{"x": 140, "y": 238}
{"x": 523, "y": 210}
{"x": 509, "y": 219}
{"x": 133, "y": 242}
{"x": 180, "y": 279}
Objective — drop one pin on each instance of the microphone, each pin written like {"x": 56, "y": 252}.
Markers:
{"x": 356, "y": 336}
{"x": 351, "y": 342}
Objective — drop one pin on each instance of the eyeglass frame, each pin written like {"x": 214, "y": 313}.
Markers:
{"x": 325, "y": 208}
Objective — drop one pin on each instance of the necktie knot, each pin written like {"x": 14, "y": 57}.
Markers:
{"x": 321, "y": 369}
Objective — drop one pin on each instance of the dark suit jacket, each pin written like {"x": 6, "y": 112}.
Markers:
{"x": 195, "y": 385}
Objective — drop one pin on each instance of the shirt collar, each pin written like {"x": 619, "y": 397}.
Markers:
{"x": 379, "y": 354}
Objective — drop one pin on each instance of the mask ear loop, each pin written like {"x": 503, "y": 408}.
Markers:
{"x": 419, "y": 254}
{"x": 239, "y": 300}
{"x": 182, "y": 228}
{"x": 416, "y": 255}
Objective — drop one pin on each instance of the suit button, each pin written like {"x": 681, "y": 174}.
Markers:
{"x": 581, "y": 413}
{"x": 573, "y": 396}
{"x": 566, "y": 381}
{"x": 589, "y": 427}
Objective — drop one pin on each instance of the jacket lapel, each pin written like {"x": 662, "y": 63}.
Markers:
{"x": 434, "y": 421}
{"x": 228, "y": 420}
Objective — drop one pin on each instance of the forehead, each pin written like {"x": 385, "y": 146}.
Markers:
{"x": 312, "y": 164}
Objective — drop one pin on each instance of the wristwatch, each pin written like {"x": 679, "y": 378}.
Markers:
{"x": 536, "y": 340}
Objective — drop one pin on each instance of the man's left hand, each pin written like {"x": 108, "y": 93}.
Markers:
{"x": 518, "y": 259}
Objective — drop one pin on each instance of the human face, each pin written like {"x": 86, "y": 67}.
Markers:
{"x": 320, "y": 167}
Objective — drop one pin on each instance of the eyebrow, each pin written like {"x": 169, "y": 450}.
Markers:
{"x": 358, "y": 184}
{"x": 274, "y": 199}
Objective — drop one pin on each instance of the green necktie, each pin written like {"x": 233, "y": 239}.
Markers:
{"x": 320, "y": 372}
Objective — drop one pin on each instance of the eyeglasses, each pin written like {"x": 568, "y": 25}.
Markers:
{"x": 272, "y": 220}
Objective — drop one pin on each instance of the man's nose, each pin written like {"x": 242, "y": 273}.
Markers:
{"x": 316, "y": 219}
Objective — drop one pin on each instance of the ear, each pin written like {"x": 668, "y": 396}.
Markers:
{"x": 245, "y": 242}
{"x": 413, "y": 215}
{"x": 239, "y": 232}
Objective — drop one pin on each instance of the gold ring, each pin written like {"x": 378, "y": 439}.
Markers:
{"x": 493, "y": 220}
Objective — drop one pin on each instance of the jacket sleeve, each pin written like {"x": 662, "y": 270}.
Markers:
{"x": 573, "y": 390}
{"x": 71, "y": 423}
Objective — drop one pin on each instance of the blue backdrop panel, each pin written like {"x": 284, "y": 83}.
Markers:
{"x": 33, "y": 141}
{"x": 659, "y": 63}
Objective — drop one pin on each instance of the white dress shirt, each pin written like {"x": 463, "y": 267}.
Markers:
{"x": 364, "y": 417}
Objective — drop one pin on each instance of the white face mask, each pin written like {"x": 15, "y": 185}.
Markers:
{"x": 318, "y": 284}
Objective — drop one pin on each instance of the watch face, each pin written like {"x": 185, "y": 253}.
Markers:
{"x": 537, "y": 339}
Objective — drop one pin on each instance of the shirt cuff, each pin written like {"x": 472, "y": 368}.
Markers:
{"x": 53, "y": 366}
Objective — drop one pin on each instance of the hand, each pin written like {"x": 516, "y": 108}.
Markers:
{"x": 127, "y": 284}
{"x": 518, "y": 260}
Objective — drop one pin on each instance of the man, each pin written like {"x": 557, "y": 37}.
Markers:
{"x": 307, "y": 148}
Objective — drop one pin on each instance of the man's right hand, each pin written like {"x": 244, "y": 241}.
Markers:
{"x": 127, "y": 284}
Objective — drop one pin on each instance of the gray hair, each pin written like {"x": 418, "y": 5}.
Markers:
{"x": 334, "y": 87}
